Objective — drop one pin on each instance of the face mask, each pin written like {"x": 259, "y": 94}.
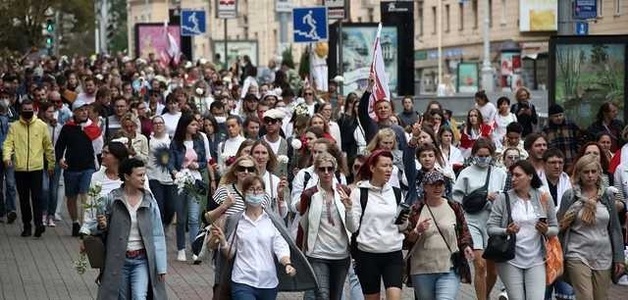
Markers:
{"x": 6, "y": 102}
{"x": 254, "y": 199}
{"x": 27, "y": 115}
{"x": 482, "y": 162}
{"x": 220, "y": 119}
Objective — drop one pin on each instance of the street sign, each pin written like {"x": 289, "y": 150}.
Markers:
{"x": 226, "y": 9}
{"x": 582, "y": 28}
{"x": 309, "y": 24}
{"x": 283, "y": 6}
{"x": 585, "y": 9}
{"x": 336, "y": 9}
{"x": 193, "y": 22}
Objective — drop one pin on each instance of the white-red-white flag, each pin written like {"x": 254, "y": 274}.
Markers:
{"x": 380, "y": 89}
{"x": 172, "y": 53}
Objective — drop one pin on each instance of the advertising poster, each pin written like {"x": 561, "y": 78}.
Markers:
{"x": 585, "y": 73}
{"x": 357, "y": 55}
{"x": 538, "y": 15}
{"x": 467, "y": 79}
{"x": 151, "y": 38}
{"x": 237, "y": 49}
{"x": 226, "y": 9}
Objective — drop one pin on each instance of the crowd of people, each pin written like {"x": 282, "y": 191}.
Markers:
{"x": 300, "y": 190}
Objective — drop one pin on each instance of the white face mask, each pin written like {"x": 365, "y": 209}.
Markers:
{"x": 221, "y": 119}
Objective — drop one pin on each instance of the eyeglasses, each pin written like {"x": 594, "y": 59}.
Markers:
{"x": 326, "y": 169}
{"x": 255, "y": 191}
{"x": 246, "y": 169}
{"x": 270, "y": 121}
{"x": 309, "y": 94}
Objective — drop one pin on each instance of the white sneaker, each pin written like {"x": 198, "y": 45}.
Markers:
{"x": 623, "y": 280}
{"x": 503, "y": 295}
{"x": 51, "y": 221}
{"x": 181, "y": 255}
{"x": 58, "y": 217}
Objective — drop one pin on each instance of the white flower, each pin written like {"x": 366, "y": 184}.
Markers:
{"x": 183, "y": 180}
{"x": 199, "y": 91}
{"x": 282, "y": 159}
{"x": 224, "y": 156}
{"x": 296, "y": 144}
{"x": 122, "y": 140}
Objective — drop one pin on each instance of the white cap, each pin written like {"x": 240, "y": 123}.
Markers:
{"x": 78, "y": 104}
{"x": 274, "y": 114}
{"x": 339, "y": 79}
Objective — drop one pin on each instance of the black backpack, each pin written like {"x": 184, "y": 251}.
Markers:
{"x": 364, "y": 194}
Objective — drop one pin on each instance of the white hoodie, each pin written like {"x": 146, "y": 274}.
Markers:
{"x": 378, "y": 232}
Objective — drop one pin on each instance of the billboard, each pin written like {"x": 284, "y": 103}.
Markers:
{"x": 467, "y": 79}
{"x": 151, "y": 38}
{"x": 538, "y": 15}
{"x": 587, "y": 71}
{"x": 357, "y": 55}
{"x": 237, "y": 49}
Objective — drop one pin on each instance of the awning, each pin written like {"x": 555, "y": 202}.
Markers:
{"x": 533, "y": 49}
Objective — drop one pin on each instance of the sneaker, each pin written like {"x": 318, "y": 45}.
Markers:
{"x": 26, "y": 232}
{"x": 503, "y": 295}
{"x": 44, "y": 219}
{"x": 76, "y": 227}
{"x": 51, "y": 222}
{"x": 11, "y": 216}
{"x": 196, "y": 260}
{"x": 181, "y": 255}
{"x": 39, "y": 230}
{"x": 623, "y": 280}
{"x": 58, "y": 217}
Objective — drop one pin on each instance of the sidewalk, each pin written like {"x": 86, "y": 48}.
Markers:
{"x": 42, "y": 268}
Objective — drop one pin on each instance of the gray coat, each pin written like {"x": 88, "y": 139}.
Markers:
{"x": 498, "y": 219}
{"x": 119, "y": 224}
{"x": 614, "y": 228}
{"x": 304, "y": 280}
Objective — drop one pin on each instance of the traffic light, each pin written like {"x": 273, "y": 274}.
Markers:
{"x": 50, "y": 33}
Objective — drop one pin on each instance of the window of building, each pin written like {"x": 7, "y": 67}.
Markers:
{"x": 490, "y": 13}
{"x": 447, "y": 17}
{"x": 421, "y": 17}
{"x": 461, "y": 16}
{"x": 474, "y": 7}
{"x": 434, "y": 18}
{"x": 504, "y": 12}
{"x": 600, "y": 8}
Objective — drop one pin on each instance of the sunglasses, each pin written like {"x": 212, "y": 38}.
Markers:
{"x": 309, "y": 94}
{"x": 270, "y": 121}
{"x": 247, "y": 169}
{"x": 326, "y": 169}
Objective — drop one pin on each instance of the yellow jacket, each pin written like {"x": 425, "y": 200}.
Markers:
{"x": 29, "y": 141}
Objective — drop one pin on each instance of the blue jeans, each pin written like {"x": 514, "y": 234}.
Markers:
{"x": 355, "y": 290}
{"x": 188, "y": 211}
{"x": 49, "y": 194}
{"x": 441, "y": 286}
{"x": 135, "y": 278}
{"x": 331, "y": 274}
{"x": 165, "y": 197}
{"x": 8, "y": 196}
{"x": 246, "y": 292}
{"x": 561, "y": 290}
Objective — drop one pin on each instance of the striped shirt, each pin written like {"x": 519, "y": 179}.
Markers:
{"x": 221, "y": 195}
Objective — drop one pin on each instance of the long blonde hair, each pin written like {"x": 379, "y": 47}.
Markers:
{"x": 588, "y": 204}
{"x": 385, "y": 133}
{"x": 230, "y": 176}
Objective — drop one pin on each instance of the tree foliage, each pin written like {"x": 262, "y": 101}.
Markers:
{"x": 23, "y": 21}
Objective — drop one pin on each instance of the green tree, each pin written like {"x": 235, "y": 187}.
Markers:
{"x": 119, "y": 42}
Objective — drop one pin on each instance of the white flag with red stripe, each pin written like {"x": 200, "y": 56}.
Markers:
{"x": 380, "y": 89}
{"x": 172, "y": 52}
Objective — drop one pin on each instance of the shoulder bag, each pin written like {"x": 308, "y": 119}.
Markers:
{"x": 475, "y": 201}
{"x": 553, "y": 253}
{"x": 501, "y": 248}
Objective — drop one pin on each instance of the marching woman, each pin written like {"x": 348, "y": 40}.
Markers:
{"x": 135, "y": 256}
{"x": 159, "y": 179}
{"x": 378, "y": 255}
{"x": 326, "y": 241}
{"x": 590, "y": 232}
{"x": 440, "y": 231}
{"x": 533, "y": 219}
{"x": 266, "y": 164}
{"x": 474, "y": 129}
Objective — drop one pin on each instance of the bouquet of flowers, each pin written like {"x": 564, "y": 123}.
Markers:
{"x": 94, "y": 201}
{"x": 186, "y": 183}
{"x": 80, "y": 265}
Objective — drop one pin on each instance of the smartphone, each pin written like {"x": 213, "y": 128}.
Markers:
{"x": 543, "y": 220}
{"x": 402, "y": 212}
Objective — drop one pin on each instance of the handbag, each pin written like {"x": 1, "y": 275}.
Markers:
{"x": 459, "y": 262}
{"x": 95, "y": 250}
{"x": 223, "y": 292}
{"x": 475, "y": 201}
{"x": 554, "y": 261}
{"x": 405, "y": 273}
{"x": 501, "y": 248}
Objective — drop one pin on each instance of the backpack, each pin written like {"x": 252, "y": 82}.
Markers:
{"x": 353, "y": 244}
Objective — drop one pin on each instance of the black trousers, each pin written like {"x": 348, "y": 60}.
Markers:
{"x": 29, "y": 191}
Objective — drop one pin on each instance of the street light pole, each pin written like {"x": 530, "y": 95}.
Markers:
{"x": 439, "y": 32}
{"x": 487, "y": 71}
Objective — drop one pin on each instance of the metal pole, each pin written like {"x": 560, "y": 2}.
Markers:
{"x": 226, "y": 60}
{"x": 565, "y": 17}
{"x": 340, "y": 64}
{"x": 439, "y": 32}
{"x": 487, "y": 71}
{"x": 283, "y": 32}
{"x": 96, "y": 26}
{"x": 104, "y": 20}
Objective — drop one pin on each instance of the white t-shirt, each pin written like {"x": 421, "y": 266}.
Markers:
{"x": 273, "y": 145}
{"x": 171, "y": 121}
{"x": 488, "y": 112}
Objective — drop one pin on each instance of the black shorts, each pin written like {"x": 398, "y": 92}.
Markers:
{"x": 372, "y": 268}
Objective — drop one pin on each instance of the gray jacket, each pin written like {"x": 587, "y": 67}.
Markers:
{"x": 498, "y": 219}
{"x": 305, "y": 279}
{"x": 119, "y": 225}
{"x": 614, "y": 228}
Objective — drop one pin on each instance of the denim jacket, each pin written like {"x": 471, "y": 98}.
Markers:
{"x": 177, "y": 154}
